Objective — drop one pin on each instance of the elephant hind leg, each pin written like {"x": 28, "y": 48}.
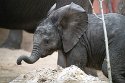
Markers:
{"x": 117, "y": 61}
{"x": 117, "y": 76}
{"x": 117, "y": 70}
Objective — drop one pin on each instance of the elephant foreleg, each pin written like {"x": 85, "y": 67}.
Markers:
{"x": 61, "y": 59}
{"x": 14, "y": 40}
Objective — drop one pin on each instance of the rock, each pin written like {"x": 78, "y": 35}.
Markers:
{"x": 71, "y": 74}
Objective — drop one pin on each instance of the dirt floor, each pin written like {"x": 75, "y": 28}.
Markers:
{"x": 9, "y": 70}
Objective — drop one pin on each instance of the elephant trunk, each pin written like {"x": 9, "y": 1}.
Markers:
{"x": 35, "y": 55}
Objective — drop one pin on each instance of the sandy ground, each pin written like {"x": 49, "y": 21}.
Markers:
{"x": 9, "y": 70}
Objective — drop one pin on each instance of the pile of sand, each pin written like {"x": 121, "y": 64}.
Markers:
{"x": 70, "y": 74}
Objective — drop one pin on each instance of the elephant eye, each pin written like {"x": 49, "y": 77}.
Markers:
{"x": 46, "y": 41}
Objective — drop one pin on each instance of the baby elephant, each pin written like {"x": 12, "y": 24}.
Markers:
{"x": 80, "y": 41}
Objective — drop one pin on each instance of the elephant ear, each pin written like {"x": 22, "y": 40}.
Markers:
{"x": 73, "y": 22}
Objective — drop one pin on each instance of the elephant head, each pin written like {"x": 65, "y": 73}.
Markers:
{"x": 61, "y": 30}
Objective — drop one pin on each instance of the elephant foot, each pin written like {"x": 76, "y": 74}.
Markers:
{"x": 14, "y": 40}
{"x": 61, "y": 59}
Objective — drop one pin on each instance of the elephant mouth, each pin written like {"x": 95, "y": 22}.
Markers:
{"x": 47, "y": 52}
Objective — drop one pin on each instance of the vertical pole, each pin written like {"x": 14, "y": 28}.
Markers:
{"x": 106, "y": 44}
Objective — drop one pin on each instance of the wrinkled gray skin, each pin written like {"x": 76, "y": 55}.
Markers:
{"x": 28, "y": 12}
{"x": 80, "y": 40}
